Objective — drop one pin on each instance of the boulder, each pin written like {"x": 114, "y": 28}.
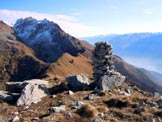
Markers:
{"x": 33, "y": 91}
{"x": 107, "y": 82}
{"x": 78, "y": 82}
{"x": 17, "y": 87}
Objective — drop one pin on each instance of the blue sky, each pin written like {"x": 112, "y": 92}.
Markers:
{"x": 89, "y": 17}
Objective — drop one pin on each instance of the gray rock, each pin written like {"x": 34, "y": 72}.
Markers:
{"x": 151, "y": 120}
{"x": 156, "y": 94}
{"x": 128, "y": 91}
{"x": 74, "y": 107}
{"x": 5, "y": 96}
{"x": 68, "y": 115}
{"x": 137, "y": 111}
{"x": 77, "y": 105}
{"x": 26, "y": 107}
{"x": 36, "y": 118}
{"x": 91, "y": 96}
{"x": 78, "y": 82}
{"x": 70, "y": 92}
{"x": 97, "y": 120}
{"x": 142, "y": 103}
{"x": 59, "y": 109}
{"x": 101, "y": 115}
{"x": 54, "y": 96}
{"x": 15, "y": 119}
{"x": 33, "y": 92}
{"x": 124, "y": 93}
{"x": 152, "y": 104}
{"x": 107, "y": 82}
{"x": 15, "y": 113}
{"x": 159, "y": 102}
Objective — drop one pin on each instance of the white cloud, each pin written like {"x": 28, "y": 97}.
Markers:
{"x": 69, "y": 24}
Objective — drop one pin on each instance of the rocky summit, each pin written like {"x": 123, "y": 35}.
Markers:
{"x": 47, "y": 39}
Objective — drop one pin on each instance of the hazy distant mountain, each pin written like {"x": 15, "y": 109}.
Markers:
{"x": 154, "y": 76}
{"x": 133, "y": 44}
{"x": 141, "y": 49}
{"x": 136, "y": 76}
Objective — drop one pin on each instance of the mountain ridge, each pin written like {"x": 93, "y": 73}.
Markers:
{"x": 66, "y": 64}
{"x": 34, "y": 32}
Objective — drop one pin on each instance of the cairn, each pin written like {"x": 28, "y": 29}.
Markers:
{"x": 104, "y": 70}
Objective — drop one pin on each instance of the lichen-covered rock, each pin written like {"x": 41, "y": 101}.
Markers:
{"x": 33, "y": 92}
{"x": 78, "y": 82}
{"x": 109, "y": 82}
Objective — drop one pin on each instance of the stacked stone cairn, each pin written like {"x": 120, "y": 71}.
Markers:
{"x": 104, "y": 71}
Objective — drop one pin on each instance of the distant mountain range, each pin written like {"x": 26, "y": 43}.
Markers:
{"x": 154, "y": 76}
{"x": 140, "y": 49}
{"x": 41, "y": 49}
{"x": 133, "y": 44}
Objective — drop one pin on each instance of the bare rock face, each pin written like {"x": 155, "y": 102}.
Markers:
{"x": 33, "y": 92}
{"x": 104, "y": 71}
{"x": 109, "y": 82}
{"x": 78, "y": 82}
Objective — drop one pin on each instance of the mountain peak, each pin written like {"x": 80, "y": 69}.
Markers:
{"x": 47, "y": 39}
{"x": 36, "y": 30}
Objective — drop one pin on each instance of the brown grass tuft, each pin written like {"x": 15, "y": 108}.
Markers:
{"x": 102, "y": 93}
{"x": 138, "y": 97}
{"x": 87, "y": 111}
{"x": 159, "y": 113}
{"x": 102, "y": 109}
{"x": 117, "y": 103}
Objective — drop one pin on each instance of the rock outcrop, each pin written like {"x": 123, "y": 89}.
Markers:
{"x": 78, "y": 82}
{"x": 104, "y": 70}
{"x": 33, "y": 91}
